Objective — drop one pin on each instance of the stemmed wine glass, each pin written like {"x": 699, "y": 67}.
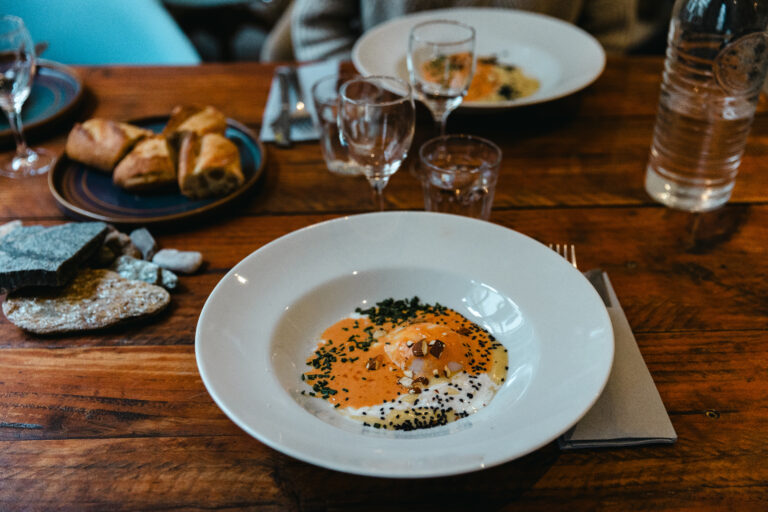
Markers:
{"x": 441, "y": 63}
{"x": 376, "y": 120}
{"x": 17, "y": 70}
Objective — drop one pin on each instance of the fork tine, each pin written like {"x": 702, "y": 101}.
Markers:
{"x": 573, "y": 256}
{"x": 569, "y": 256}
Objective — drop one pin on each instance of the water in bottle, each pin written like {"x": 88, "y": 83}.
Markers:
{"x": 717, "y": 57}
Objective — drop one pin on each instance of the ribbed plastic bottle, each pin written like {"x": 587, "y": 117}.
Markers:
{"x": 716, "y": 63}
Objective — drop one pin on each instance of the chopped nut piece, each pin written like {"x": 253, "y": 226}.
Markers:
{"x": 435, "y": 372}
{"x": 420, "y": 349}
{"x": 414, "y": 390}
{"x": 408, "y": 373}
{"x": 373, "y": 364}
{"x": 446, "y": 371}
{"x": 421, "y": 380}
{"x": 409, "y": 343}
{"x": 405, "y": 382}
{"x": 437, "y": 349}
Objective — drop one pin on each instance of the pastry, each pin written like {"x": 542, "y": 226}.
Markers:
{"x": 148, "y": 167}
{"x": 194, "y": 119}
{"x": 209, "y": 165}
{"x": 101, "y": 143}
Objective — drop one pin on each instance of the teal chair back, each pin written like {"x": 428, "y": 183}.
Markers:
{"x": 95, "y": 32}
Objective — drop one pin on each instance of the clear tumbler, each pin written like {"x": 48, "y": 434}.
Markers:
{"x": 459, "y": 175}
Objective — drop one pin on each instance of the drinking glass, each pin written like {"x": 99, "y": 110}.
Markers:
{"x": 459, "y": 175}
{"x": 325, "y": 96}
{"x": 376, "y": 120}
{"x": 17, "y": 69}
{"x": 441, "y": 62}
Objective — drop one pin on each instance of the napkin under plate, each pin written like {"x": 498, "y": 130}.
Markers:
{"x": 629, "y": 412}
{"x": 308, "y": 74}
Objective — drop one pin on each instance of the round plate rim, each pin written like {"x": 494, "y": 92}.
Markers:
{"x": 372, "y": 470}
{"x": 63, "y": 111}
{"x": 484, "y": 106}
{"x": 55, "y": 175}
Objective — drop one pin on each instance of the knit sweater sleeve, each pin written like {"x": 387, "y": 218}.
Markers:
{"x": 324, "y": 29}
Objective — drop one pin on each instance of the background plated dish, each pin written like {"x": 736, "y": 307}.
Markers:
{"x": 56, "y": 91}
{"x": 260, "y": 323}
{"x": 84, "y": 192}
{"x": 563, "y": 57}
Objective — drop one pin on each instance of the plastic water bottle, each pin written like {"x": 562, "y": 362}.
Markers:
{"x": 717, "y": 57}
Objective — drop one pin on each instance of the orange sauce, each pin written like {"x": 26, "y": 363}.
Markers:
{"x": 498, "y": 82}
{"x": 362, "y": 361}
{"x": 451, "y": 71}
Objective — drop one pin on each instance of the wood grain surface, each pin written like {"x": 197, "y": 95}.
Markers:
{"x": 120, "y": 419}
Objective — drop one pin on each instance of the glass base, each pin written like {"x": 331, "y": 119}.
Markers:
{"x": 685, "y": 197}
{"x": 31, "y": 163}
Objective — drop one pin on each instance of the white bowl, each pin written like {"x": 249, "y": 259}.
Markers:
{"x": 262, "y": 320}
{"x": 563, "y": 57}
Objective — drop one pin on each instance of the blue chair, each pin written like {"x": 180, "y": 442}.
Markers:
{"x": 95, "y": 32}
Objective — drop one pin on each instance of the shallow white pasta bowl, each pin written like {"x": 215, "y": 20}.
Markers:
{"x": 263, "y": 319}
{"x": 563, "y": 57}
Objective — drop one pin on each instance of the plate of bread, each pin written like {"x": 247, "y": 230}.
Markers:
{"x": 157, "y": 169}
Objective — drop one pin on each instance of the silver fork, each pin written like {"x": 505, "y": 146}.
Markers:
{"x": 569, "y": 255}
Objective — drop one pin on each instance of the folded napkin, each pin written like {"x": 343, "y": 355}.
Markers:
{"x": 630, "y": 411}
{"x": 308, "y": 74}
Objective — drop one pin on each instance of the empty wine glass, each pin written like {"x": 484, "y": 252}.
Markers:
{"x": 376, "y": 119}
{"x": 17, "y": 70}
{"x": 441, "y": 63}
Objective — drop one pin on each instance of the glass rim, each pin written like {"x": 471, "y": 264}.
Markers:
{"x": 400, "y": 81}
{"x": 17, "y": 21}
{"x": 463, "y": 137}
{"x": 471, "y": 29}
{"x": 335, "y": 76}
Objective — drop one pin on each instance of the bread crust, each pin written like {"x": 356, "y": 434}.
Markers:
{"x": 148, "y": 167}
{"x": 209, "y": 165}
{"x": 195, "y": 119}
{"x": 102, "y": 143}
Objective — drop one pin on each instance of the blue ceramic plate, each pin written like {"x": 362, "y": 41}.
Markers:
{"x": 56, "y": 90}
{"x": 86, "y": 193}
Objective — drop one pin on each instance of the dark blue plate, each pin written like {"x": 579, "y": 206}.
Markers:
{"x": 56, "y": 90}
{"x": 87, "y": 193}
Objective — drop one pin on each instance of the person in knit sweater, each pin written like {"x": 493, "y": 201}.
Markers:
{"x": 329, "y": 28}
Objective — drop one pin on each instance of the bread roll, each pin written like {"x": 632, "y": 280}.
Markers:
{"x": 209, "y": 165}
{"x": 148, "y": 167}
{"x": 101, "y": 143}
{"x": 194, "y": 119}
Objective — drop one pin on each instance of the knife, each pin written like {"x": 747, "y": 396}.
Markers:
{"x": 597, "y": 278}
{"x": 293, "y": 81}
{"x": 282, "y": 125}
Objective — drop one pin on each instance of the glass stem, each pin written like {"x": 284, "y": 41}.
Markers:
{"x": 440, "y": 122}
{"x": 377, "y": 187}
{"x": 14, "y": 119}
{"x": 378, "y": 197}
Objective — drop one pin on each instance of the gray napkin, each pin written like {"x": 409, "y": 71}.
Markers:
{"x": 308, "y": 74}
{"x": 630, "y": 411}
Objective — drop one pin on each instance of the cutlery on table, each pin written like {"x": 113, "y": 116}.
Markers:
{"x": 595, "y": 277}
{"x": 300, "y": 115}
{"x": 282, "y": 124}
{"x": 629, "y": 412}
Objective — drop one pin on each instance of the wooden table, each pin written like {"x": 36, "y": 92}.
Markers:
{"x": 122, "y": 421}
